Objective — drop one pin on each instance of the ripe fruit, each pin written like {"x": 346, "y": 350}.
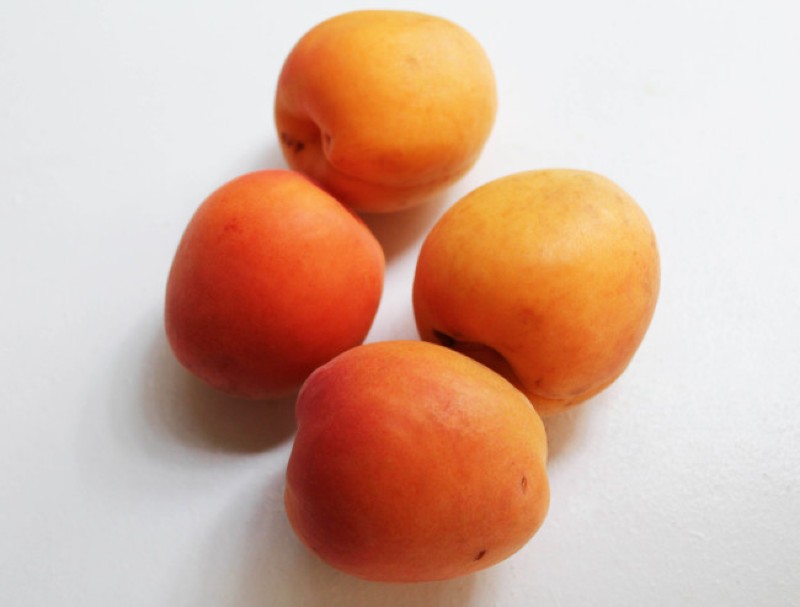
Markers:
{"x": 550, "y": 277}
{"x": 412, "y": 462}
{"x": 384, "y": 108}
{"x": 272, "y": 278}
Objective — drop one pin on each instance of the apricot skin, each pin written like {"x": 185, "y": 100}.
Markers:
{"x": 385, "y": 108}
{"x": 272, "y": 278}
{"x": 412, "y": 462}
{"x": 550, "y": 277}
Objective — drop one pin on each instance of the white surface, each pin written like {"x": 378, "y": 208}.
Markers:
{"x": 126, "y": 483}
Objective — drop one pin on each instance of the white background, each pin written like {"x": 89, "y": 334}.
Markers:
{"x": 123, "y": 482}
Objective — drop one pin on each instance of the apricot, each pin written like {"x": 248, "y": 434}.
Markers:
{"x": 385, "y": 108}
{"x": 413, "y": 462}
{"x": 550, "y": 277}
{"x": 272, "y": 278}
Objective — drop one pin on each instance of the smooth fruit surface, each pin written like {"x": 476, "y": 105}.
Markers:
{"x": 550, "y": 277}
{"x": 384, "y": 108}
{"x": 412, "y": 462}
{"x": 272, "y": 278}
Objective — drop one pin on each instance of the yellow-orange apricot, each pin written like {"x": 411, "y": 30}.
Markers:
{"x": 550, "y": 277}
{"x": 384, "y": 108}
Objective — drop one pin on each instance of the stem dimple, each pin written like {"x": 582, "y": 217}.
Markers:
{"x": 486, "y": 355}
{"x": 444, "y": 339}
{"x": 290, "y": 142}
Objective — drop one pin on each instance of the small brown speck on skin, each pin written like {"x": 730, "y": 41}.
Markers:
{"x": 524, "y": 484}
{"x": 233, "y": 226}
{"x": 480, "y": 554}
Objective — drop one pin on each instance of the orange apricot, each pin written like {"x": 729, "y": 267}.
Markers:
{"x": 413, "y": 462}
{"x": 272, "y": 278}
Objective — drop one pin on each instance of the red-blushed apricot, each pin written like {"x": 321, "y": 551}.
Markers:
{"x": 272, "y": 278}
{"x": 549, "y": 277}
{"x": 413, "y": 462}
{"x": 385, "y": 108}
